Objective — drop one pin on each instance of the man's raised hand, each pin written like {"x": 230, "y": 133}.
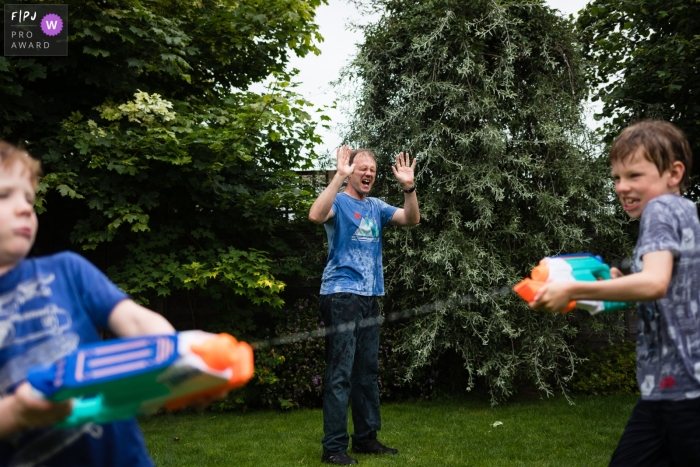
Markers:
{"x": 343, "y": 154}
{"x": 403, "y": 170}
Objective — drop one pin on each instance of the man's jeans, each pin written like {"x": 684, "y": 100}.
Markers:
{"x": 352, "y": 367}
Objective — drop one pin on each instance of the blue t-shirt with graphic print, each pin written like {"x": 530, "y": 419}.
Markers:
{"x": 355, "y": 246}
{"x": 668, "y": 339}
{"x": 49, "y": 306}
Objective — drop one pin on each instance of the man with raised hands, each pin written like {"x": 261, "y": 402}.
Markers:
{"x": 352, "y": 281}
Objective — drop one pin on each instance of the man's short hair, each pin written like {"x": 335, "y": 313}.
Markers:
{"x": 663, "y": 144}
{"x": 10, "y": 154}
{"x": 364, "y": 152}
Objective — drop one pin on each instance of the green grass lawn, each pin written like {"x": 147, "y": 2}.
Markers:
{"x": 437, "y": 433}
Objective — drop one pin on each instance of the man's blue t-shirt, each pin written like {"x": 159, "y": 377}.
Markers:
{"x": 355, "y": 246}
{"x": 668, "y": 341}
{"x": 49, "y": 306}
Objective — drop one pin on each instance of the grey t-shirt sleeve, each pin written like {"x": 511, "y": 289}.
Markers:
{"x": 659, "y": 230}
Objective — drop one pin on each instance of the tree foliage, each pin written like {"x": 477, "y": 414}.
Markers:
{"x": 645, "y": 56}
{"x": 488, "y": 95}
{"x": 160, "y": 164}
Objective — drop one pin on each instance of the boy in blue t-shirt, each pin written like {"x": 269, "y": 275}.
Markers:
{"x": 352, "y": 281}
{"x": 49, "y": 306}
{"x": 651, "y": 163}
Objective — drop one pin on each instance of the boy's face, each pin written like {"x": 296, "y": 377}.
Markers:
{"x": 362, "y": 178}
{"x": 18, "y": 222}
{"x": 638, "y": 181}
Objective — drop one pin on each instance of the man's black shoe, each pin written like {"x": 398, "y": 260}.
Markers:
{"x": 340, "y": 458}
{"x": 371, "y": 446}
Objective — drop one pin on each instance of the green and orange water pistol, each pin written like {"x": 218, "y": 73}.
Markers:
{"x": 568, "y": 268}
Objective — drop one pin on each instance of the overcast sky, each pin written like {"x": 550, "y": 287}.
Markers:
{"x": 317, "y": 72}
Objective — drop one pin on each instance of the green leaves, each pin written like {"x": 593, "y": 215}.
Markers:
{"x": 145, "y": 108}
{"x": 610, "y": 371}
{"x": 648, "y": 67}
{"x": 64, "y": 183}
{"x": 247, "y": 273}
{"x": 160, "y": 166}
{"x": 135, "y": 159}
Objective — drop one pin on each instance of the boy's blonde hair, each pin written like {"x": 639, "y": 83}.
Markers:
{"x": 10, "y": 154}
{"x": 663, "y": 144}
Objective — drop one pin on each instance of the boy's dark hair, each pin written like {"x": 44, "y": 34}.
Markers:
{"x": 9, "y": 154}
{"x": 366, "y": 152}
{"x": 663, "y": 144}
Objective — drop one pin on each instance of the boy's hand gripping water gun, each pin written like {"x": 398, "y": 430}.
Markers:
{"x": 120, "y": 378}
{"x": 569, "y": 268}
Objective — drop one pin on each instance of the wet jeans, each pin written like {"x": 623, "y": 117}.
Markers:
{"x": 352, "y": 367}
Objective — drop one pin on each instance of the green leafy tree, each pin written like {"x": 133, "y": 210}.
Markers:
{"x": 160, "y": 164}
{"x": 487, "y": 94}
{"x": 644, "y": 56}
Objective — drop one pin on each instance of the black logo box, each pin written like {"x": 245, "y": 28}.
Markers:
{"x": 23, "y": 33}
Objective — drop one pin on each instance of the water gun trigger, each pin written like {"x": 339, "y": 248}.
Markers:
{"x": 602, "y": 275}
{"x": 528, "y": 288}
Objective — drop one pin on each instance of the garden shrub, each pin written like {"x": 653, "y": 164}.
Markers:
{"x": 607, "y": 371}
{"x": 394, "y": 366}
{"x": 300, "y": 373}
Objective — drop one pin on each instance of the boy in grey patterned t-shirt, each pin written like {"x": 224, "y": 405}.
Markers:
{"x": 651, "y": 163}
{"x": 668, "y": 342}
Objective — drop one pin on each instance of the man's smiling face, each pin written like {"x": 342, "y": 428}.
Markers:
{"x": 364, "y": 175}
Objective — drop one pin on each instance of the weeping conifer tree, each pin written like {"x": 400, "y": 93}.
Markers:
{"x": 488, "y": 95}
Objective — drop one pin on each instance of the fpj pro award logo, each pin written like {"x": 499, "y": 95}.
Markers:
{"x": 36, "y": 30}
